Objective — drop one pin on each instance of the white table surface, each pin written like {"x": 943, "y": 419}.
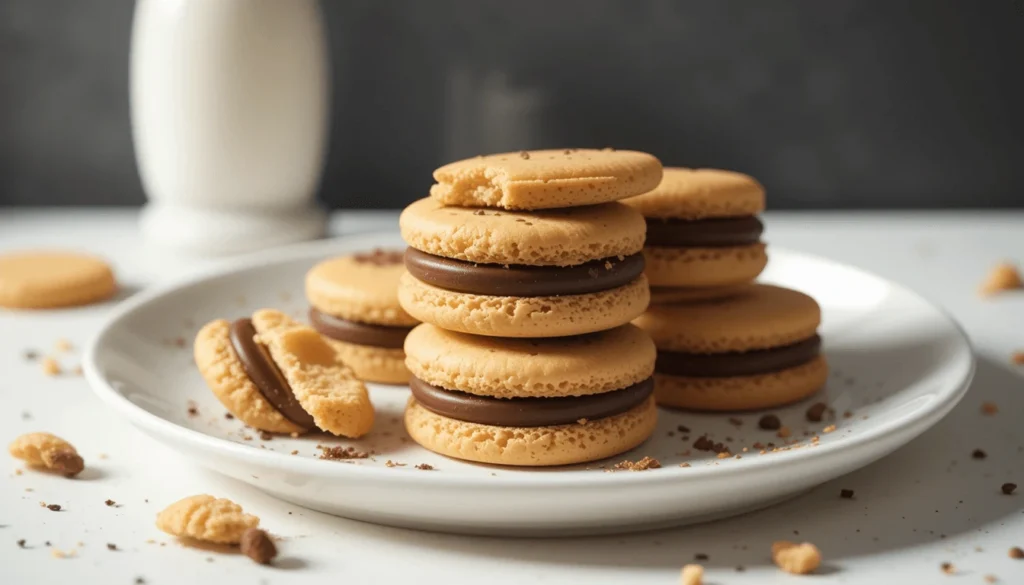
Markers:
{"x": 926, "y": 504}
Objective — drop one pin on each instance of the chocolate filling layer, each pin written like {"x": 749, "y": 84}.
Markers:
{"x": 523, "y": 281}
{"x": 704, "y": 233}
{"x": 265, "y": 375}
{"x": 359, "y": 333}
{"x": 528, "y": 412}
{"x": 739, "y": 363}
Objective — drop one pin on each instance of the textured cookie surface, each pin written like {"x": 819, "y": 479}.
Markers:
{"x": 360, "y": 287}
{"x": 325, "y": 387}
{"x": 704, "y": 267}
{"x": 669, "y": 294}
{"x": 701, "y": 193}
{"x": 45, "y": 280}
{"x": 560, "y": 237}
{"x": 742, "y": 392}
{"x": 507, "y": 368}
{"x": 531, "y": 446}
{"x": 554, "y": 316}
{"x": 373, "y": 364}
{"x": 546, "y": 179}
{"x": 766, "y": 316}
{"x": 206, "y": 518}
{"x": 224, "y": 374}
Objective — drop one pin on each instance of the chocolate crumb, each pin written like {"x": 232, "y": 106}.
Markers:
{"x": 978, "y": 454}
{"x": 193, "y": 410}
{"x": 642, "y": 465}
{"x": 769, "y": 422}
{"x": 683, "y": 429}
{"x": 700, "y": 557}
{"x": 1008, "y": 488}
{"x": 258, "y": 546}
{"x": 1017, "y": 553}
{"x": 229, "y": 416}
{"x": 816, "y": 412}
{"x": 53, "y": 507}
{"x": 703, "y": 443}
{"x": 110, "y": 502}
{"x": 21, "y": 543}
{"x": 735, "y": 421}
{"x": 265, "y": 436}
{"x": 111, "y": 546}
{"x": 425, "y": 467}
{"x": 847, "y": 414}
{"x": 948, "y": 568}
{"x": 139, "y": 581}
{"x": 740, "y": 568}
{"x": 341, "y": 453}
{"x": 524, "y": 155}
{"x": 989, "y": 408}
{"x": 30, "y": 355}
{"x": 846, "y": 494}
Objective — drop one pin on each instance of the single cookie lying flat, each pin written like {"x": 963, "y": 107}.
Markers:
{"x": 279, "y": 376}
{"x": 47, "y": 280}
{"x": 702, "y": 229}
{"x": 354, "y": 303}
{"x": 546, "y": 179}
{"x": 757, "y": 349}
{"x": 530, "y": 402}
{"x": 510, "y": 274}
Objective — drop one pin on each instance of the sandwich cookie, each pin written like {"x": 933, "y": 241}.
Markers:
{"x": 544, "y": 273}
{"x": 276, "y": 375}
{"x": 546, "y": 179}
{"x": 531, "y": 402}
{"x": 702, "y": 230}
{"x": 758, "y": 349}
{"x": 354, "y": 303}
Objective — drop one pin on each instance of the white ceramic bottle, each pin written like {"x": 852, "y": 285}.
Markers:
{"x": 229, "y": 106}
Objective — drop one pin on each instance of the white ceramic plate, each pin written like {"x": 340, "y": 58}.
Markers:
{"x": 899, "y": 365}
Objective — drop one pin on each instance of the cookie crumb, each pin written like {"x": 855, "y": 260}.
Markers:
{"x": 769, "y": 422}
{"x": 110, "y": 503}
{"x": 692, "y": 575}
{"x": 642, "y": 465}
{"x": 703, "y": 443}
{"x": 736, "y": 422}
{"x": 30, "y": 355}
{"x": 991, "y": 579}
{"x": 258, "y": 546}
{"x": 684, "y": 465}
{"x": 683, "y": 428}
{"x": 989, "y": 408}
{"x": 53, "y": 507}
{"x": 1008, "y": 488}
{"x": 1017, "y": 358}
{"x": 193, "y": 408}
{"x": 59, "y": 554}
{"x": 1003, "y": 277}
{"x": 425, "y": 467}
{"x": 63, "y": 345}
{"x": 390, "y": 463}
{"x": 723, "y": 455}
{"x": 846, "y": 494}
{"x": 295, "y": 452}
{"x": 51, "y": 367}
{"x": 829, "y": 429}
{"x": 1017, "y": 553}
{"x": 798, "y": 559}
{"x": 340, "y": 453}
{"x": 816, "y": 412}
{"x": 948, "y": 568}
{"x": 701, "y": 557}
{"x": 783, "y": 433}
{"x": 111, "y": 546}
{"x": 978, "y": 454}
{"x": 229, "y": 416}
{"x": 21, "y": 543}
{"x": 48, "y": 452}
{"x": 265, "y": 436}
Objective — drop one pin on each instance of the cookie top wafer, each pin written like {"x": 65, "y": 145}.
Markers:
{"x": 701, "y": 194}
{"x": 580, "y": 365}
{"x": 546, "y": 179}
{"x": 555, "y": 237}
{"x": 360, "y": 287}
{"x": 763, "y": 317}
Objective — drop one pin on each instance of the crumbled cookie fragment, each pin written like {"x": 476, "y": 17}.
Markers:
{"x": 206, "y": 518}
{"x": 799, "y": 559}
{"x": 59, "y": 554}
{"x": 1008, "y": 488}
{"x": 425, "y": 467}
{"x": 51, "y": 367}
{"x": 53, "y": 507}
{"x": 265, "y": 436}
{"x": 948, "y": 568}
{"x": 30, "y": 355}
{"x": 684, "y": 465}
{"x": 642, "y": 465}
{"x": 816, "y": 412}
{"x": 339, "y": 453}
{"x": 989, "y": 408}
{"x": 682, "y": 428}
{"x": 229, "y": 416}
{"x": 829, "y": 429}
{"x": 846, "y": 494}
{"x": 1017, "y": 553}
{"x": 390, "y": 463}
{"x": 49, "y": 452}
{"x": 701, "y": 557}
{"x": 978, "y": 454}
{"x": 692, "y": 575}
{"x": 110, "y": 503}
{"x": 769, "y": 422}
{"x": 1017, "y": 357}
{"x": 258, "y": 546}
{"x": 21, "y": 543}
{"x": 784, "y": 433}
{"x": 1003, "y": 277}
{"x": 111, "y": 546}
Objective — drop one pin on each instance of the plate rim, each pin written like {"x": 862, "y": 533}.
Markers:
{"x": 152, "y": 423}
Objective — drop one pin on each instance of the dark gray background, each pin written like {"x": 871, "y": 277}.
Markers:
{"x": 844, "y": 103}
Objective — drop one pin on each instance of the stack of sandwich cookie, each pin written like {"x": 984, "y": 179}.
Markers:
{"x": 279, "y": 376}
{"x": 756, "y": 349}
{"x": 354, "y": 303}
{"x": 703, "y": 236}
{"x": 529, "y": 245}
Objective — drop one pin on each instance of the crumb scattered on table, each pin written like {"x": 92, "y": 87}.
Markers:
{"x": 846, "y": 494}
{"x": 339, "y": 453}
{"x": 425, "y": 467}
{"x": 948, "y": 568}
{"x": 692, "y": 575}
{"x": 978, "y": 454}
{"x": 989, "y": 408}
{"x": 769, "y": 422}
{"x": 1008, "y": 488}
{"x": 641, "y": 465}
{"x": 1003, "y": 277}
{"x": 1016, "y": 553}
{"x": 51, "y": 367}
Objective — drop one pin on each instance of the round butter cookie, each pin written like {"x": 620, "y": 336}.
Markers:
{"x": 49, "y": 280}
{"x": 279, "y": 376}
{"x": 354, "y": 303}
{"x": 702, "y": 229}
{"x": 530, "y": 402}
{"x": 757, "y": 349}
{"x": 512, "y": 274}
{"x": 546, "y": 179}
